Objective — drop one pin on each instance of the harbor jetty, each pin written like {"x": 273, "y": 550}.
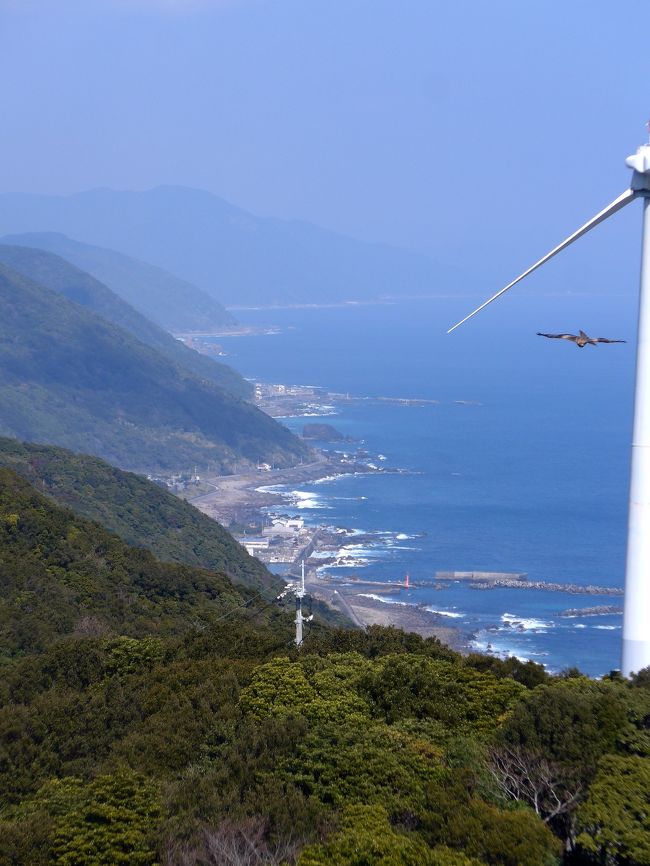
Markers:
{"x": 481, "y": 575}
{"x": 486, "y": 580}
{"x": 600, "y": 610}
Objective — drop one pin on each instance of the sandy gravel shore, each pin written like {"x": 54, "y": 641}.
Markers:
{"x": 235, "y": 498}
{"x": 238, "y": 499}
{"x": 353, "y": 602}
{"x": 370, "y": 612}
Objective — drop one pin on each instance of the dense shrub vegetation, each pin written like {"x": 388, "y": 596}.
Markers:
{"x": 154, "y": 713}
{"x": 139, "y": 511}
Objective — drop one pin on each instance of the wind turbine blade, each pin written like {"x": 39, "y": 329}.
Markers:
{"x": 616, "y": 205}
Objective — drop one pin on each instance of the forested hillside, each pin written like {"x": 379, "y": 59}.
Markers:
{"x": 69, "y": 378}
{"x": 155, "y": 714}
{"x": 173, "y": 303}
{"x": 63, "y": 575}
{"x": 139, "y": 511}
{"x": 57, "y": 274}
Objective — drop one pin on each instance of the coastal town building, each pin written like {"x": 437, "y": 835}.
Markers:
{"x": 254, "y": 545}
{"x": 284, "y": 526}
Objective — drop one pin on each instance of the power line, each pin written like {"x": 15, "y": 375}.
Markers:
{"x": 298, "y": 589}
{"x": 240, "y": 606}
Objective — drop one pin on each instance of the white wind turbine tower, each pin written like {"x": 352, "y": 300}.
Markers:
{"x": 636, "y": 613}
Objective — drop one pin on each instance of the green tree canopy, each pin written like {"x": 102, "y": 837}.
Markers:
{"x": 614, "y": 821}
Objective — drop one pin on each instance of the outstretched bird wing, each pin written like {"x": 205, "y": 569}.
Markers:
{"x": 558, "y": 336}
{"x": 605, "y": 340}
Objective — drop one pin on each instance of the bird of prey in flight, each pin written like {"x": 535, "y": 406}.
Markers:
{"x": 581, "y": 340}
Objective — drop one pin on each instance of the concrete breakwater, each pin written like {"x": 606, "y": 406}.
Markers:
{"x": 480, "y": 575}
{"x": 574, "y": 588}
{"x": 600, "y": 610}
{"x": 492, "y": 579}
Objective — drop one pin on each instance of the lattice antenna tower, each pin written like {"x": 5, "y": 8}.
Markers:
{"x": 298, "y": 589}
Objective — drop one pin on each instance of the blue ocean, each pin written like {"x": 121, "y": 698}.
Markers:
{"x": 521, "y": 466}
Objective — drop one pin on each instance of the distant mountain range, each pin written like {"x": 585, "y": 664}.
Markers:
{"x": 56, "y": 273}
{"x": 70, "y": 378}
{"x": 172, "y": 303}
{"x": 238, "y": 258}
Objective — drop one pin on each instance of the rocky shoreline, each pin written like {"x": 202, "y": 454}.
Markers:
{"x": 239, "y": 500}
{"x": 263, "y": 512}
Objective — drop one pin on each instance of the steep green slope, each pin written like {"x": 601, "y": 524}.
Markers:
{"x": 61, "y": 574}
{"x": 173, "y": 303}
{"x": 69, "y": 378}
{"x": 137, "y": 510}
{"x": 56, "y": 273}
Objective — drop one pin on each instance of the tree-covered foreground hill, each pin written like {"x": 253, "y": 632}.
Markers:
{"x": 139, "y": 511}
{"x": 155, "y": 714}
{"x": 69, "y": 378}
{"x": 63, "y": 575}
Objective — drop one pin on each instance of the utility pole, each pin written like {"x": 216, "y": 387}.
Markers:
{"x": 300, "y": 594}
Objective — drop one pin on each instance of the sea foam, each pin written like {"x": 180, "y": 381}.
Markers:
{"x": 522, "y": 623}
{"x": 441, "y": 612}
{"x": 384, "y": 600}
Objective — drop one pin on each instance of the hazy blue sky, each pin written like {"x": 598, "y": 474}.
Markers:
{"x": 460, "y": 127}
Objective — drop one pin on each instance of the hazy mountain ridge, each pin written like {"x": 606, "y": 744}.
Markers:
{"x": 56, "y": 273}
{"x": 172, "y": 303}
{"x": 235, "y": 256}
{"x": 69, "y": 378}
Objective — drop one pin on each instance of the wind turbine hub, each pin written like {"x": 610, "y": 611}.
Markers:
{"x": 640, "y": 164}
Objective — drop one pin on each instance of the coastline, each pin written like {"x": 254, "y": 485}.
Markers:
{"x": 364, "y": 609}
{"x": 264, "y": 508}
{"x": 242, "y": 499}
{"x": 239, "y": 498}
{"x": 320, "y": 364}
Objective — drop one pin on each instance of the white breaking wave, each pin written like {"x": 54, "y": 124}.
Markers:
{"x": 503, "y": 651}
{"x": 355, "y": 550}
{"x": 344, "y": 563}
{"x": 524, "y": 623}
{"x": 309, "y": 415}
{"x": 401, "y": 547}
{"x": 441, "y": 612}
{"x": 304, "y": 499}
{"x": 384, "y": 600}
